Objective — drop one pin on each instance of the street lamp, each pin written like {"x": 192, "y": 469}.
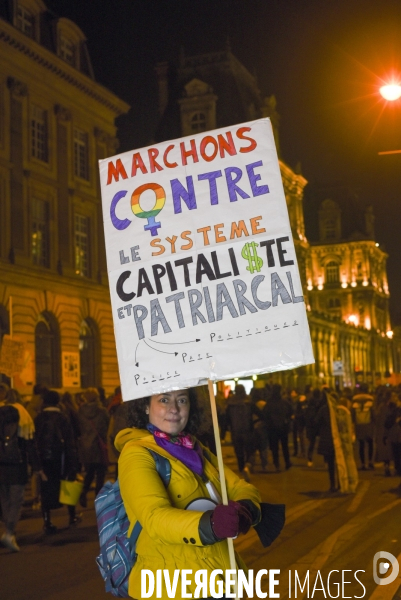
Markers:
{"x": 391, "y": 91}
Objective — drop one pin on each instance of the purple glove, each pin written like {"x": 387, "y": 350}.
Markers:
{"x": 225, "y": 520}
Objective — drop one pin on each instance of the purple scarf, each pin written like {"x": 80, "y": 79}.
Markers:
{"x": 178, "y": 446}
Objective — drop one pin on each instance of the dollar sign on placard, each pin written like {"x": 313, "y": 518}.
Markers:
{"x": 249, "y": 253}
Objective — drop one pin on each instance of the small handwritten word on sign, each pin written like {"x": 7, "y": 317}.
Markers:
{"x": 12, "y": 356}
{"x": 203, "y": 274}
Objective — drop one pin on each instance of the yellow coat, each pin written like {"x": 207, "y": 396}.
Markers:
{"x": 170, "y": 536}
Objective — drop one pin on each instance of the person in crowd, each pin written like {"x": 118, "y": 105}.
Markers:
{"x": 335, "y": 431}
{"x": 102, "y": 396}
{"x": 3, "y": 391}
{"x": 299, "y": 423}
{"x": 315, "y": 401}
{"x": 277, "y": 413}
{"x": 93, "y": 422}
{"x": 14, "y": 466}
{"x": 184, "y": 526}
{"x": 57, "y": 453}
{"x": 344, "y": 448}
{"x": 363, "y": 418}
{"x": 205, "y": 433}
{"x": 14, "y": 397}
{"x": 113, "y": 409}
{"x": 70, "y": 410}
{"x": 260, "y": 437}
{"x": 292, "y": 396}
{"x": 239, "y": 422}
{"x": 392, "y": 425}
{"x": 384, "y": 398}
{"x": 323, "y": 427}
{"x": 35, "y": 405}
{"x": 347, "y": 393}
{"x": 221, "y": 407}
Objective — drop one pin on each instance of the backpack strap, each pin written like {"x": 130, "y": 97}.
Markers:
{"x": 163, "y": 468}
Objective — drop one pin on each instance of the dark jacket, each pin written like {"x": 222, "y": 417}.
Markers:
{"x": 300, "y": 412}
{"x": 324, "y": 431}
{"x": 277, "y": 414}
{"x": 93, "y": 421}
{"x": 55, "y": 440}
{"x": 239, "y": 416}
{"x": 315, "y": 401}
{"x": 392, "y": 424}
{"x": 17, "y": 473}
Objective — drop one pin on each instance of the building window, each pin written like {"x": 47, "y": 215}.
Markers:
{"x": 332, "y": 272}
{"x": 67, "y": 50}
{"x": 25, "y": 21}
{"x": 39, "y": 134}
{"x": 329, "y": 221}
{"x": 47, "y": 352}
{"x": 40, "y": 233}
{"x": 334, "y": 303}
{"x": 198, "y": 122}
{"x": 330, "y": 229}
{"x": 88, "y": 354}
{"x": 81, "y": 166}
{"x": 82, "y": 245}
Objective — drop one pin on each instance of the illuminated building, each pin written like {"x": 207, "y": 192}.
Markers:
{"x": 343, "y": 268}
{"x": 56, "y": 122}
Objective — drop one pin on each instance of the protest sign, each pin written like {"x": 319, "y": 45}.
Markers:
{"x": 12, "y": 356}
{"x": 71, "y": 369}
{"x": 203, "y": 275}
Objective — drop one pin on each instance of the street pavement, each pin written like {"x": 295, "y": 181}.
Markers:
{"x": 323, "y": 532}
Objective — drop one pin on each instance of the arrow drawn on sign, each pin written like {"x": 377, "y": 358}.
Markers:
{"x": 157, "y": 350}
{"x": 151, "y": 347}
{"x": 164, "y": 344}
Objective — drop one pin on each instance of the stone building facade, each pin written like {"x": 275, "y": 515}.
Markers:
{"x": 56, "y": 122}
{"x": 343, "y": 268}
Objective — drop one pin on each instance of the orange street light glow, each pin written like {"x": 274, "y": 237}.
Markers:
{"x": 391, "y": 92}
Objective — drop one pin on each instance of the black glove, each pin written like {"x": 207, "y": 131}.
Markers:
{"x": 244, "y": 518}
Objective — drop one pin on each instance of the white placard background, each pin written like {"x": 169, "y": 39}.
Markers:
{"x": 243, "y": 337}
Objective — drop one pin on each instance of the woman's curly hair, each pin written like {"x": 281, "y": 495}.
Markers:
{"x": 138, "y": 418}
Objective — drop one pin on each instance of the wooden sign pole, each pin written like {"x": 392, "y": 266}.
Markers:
{"x": 219, "y": 455}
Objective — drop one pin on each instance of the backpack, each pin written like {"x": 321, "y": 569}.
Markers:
{"x": 363, "y": 414}
{"x": 117, "y": 551}
{"x": 10, "y": 453}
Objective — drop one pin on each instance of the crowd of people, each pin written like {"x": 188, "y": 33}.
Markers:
{"x": 66, "y": 437}
{"x": 57, "y": 437}
{"x": 323, "y": 418}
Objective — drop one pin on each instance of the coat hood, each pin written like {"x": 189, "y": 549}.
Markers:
{"x": 132, "y": 435}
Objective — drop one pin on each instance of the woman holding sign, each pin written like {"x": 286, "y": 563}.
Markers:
{"x": 184, "y": 524}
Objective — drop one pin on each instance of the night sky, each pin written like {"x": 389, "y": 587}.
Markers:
{"x": 324, "y": 62}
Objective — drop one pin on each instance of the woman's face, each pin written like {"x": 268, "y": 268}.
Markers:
{"x": 170, "y": 411}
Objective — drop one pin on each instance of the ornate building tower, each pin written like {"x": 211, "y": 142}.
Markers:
{"x": 347, "y": 279}
{"x": 342, "y": 267}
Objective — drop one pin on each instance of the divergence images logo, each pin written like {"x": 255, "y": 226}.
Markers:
{"x": 384, "y": 568}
